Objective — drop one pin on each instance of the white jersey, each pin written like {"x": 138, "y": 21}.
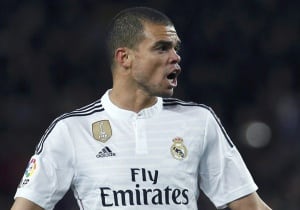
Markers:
{"x": 116, "y": 159}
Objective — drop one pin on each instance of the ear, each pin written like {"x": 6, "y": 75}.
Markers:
{"x": 122, "y": 56}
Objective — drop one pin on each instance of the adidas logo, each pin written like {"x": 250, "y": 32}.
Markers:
{"x": 105, "y": 152}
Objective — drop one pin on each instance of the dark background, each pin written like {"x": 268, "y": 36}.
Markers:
{"x": 239, "y": 57}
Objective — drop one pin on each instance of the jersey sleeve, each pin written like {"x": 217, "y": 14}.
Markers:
{"x": 224, "y": 176}
{"x": 49, "y": 173}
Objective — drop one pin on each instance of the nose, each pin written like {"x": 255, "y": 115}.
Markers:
{"x": 175, "y": 57}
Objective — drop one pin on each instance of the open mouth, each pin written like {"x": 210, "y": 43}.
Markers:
{"x": 172, "y": 78}
{"x": 172, "y": 75}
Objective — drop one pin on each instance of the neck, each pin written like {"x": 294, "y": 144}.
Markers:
{"x": 131, "y": 100}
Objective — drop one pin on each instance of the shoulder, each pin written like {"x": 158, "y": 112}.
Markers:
{"x": 191, "y": 109}
{"x": 65, "y": 122}
{"x": 87, "y": 110}
{"x": 82, "y": 112}
{"x": 79, "y": 115}
{"x": 177, "y": 104}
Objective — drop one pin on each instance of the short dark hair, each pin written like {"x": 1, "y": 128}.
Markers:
{"x": 126, "y": 28}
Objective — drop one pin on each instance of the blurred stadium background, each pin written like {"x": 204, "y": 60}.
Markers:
{"x": 239, "y": 57}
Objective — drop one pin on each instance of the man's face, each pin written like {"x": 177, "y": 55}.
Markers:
{"x": 155, "y": 64}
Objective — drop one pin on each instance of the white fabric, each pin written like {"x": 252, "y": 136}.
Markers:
{"x": 135, "y": 167}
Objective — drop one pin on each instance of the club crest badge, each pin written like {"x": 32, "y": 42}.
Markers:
{"x": 178, "y": 149}
{"x": 101, "y": 130}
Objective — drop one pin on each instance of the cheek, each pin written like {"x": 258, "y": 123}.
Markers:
{"x": 148, "y": 69}
{"x": 153, "y": 72}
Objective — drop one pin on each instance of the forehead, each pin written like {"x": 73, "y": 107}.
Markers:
{"x": 155, "y": 32}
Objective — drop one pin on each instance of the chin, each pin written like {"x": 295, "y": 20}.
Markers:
{"x": 167, "y": 93}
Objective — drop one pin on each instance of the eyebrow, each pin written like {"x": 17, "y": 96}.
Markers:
{"x": 165, "y": 43}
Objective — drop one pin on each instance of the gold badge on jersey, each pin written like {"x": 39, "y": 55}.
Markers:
{"x": 101, "y": 130}
{"x": 178, "y": 149}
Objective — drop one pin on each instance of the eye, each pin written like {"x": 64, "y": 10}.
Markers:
{"x": 177, "y": 48}
{"x": 163, "y": 48}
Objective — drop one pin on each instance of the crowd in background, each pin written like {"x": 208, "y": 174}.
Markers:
{"x": 239, "y": 57}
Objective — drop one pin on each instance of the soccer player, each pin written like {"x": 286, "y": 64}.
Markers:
{"x": 136, "y": 147}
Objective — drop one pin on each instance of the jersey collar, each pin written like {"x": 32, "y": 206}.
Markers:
{"x": 115, "y": 111}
